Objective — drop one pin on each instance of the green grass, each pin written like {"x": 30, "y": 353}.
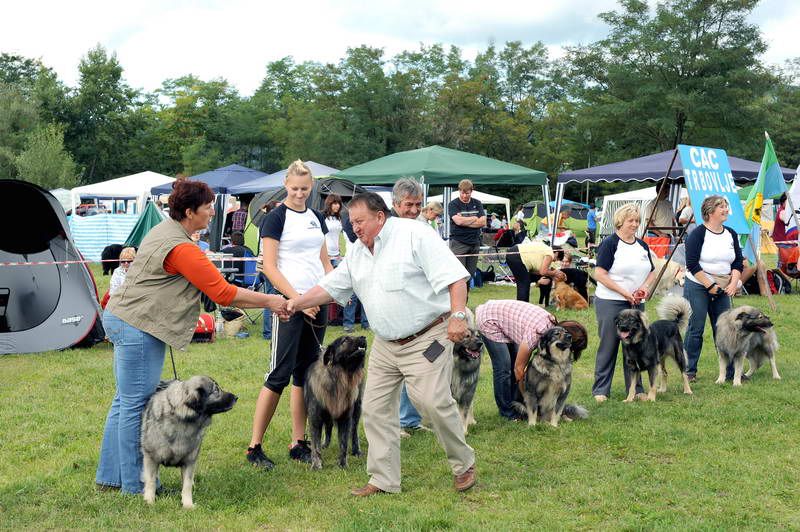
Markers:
{"x": 720, "y": 459}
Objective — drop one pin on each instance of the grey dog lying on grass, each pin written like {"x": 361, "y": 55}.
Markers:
{"x": 173, "y": 425}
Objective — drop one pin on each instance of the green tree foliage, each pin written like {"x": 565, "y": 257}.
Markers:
{"x": 45, "y": 161}
{"x": 98, "y": 133}
{"x": 18, "y": 117}
{"x": 667, "y": 72}
{"x": 688, "y": 72}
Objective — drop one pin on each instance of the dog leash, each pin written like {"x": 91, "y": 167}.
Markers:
{"x": 174, "y": 373}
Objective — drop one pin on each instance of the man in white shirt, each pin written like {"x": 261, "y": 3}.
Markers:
{"x": 415, "y": 294}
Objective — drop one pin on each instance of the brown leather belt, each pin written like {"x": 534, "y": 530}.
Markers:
{"x": 431, "y": 325}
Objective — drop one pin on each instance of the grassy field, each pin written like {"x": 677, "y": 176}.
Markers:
{"x": 720, "y": 459}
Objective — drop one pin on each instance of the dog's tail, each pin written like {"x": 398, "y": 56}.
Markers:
{"x": 519, "y": 408}
{"x": 575, "y": 412}
{"x": 677, "y": 309}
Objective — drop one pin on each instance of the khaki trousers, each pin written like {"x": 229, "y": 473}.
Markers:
{"x": 428, "y": 385}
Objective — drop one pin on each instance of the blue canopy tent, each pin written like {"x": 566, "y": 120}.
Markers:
{"x": 275, "y": 180}
{"x": 653, "y": 168}
{"x": 220, "y": 181}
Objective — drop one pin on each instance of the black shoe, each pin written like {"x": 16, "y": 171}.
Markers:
{"x": 301, "y": 452}
{"x": 256, "y": 456}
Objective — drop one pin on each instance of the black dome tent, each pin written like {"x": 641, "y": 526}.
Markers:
{"x": 42, "y": 306}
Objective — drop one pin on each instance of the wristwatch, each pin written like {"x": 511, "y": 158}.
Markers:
{"x": 460, "y": 315}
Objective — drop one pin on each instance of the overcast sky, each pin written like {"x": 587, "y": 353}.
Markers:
{"x": 235, "y": 39}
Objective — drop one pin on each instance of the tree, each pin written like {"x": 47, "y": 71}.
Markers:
{"x": 687, "y": 73}
{"x": 45, "y": 161}
{"x": 18, "y": 117}
{"x": 97, "y": 134}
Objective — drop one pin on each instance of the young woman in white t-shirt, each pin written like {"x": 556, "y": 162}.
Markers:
{"x": 333, "y": 219}
{"x": 624, "y": 272}
{"x": 295, "y": 260}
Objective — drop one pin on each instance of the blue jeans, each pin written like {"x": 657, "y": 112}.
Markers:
{"x": 266, "y": 326}
{"x": 138, "y": 361}
{"x": 409, "y": 417}
{"x": 349, "y": 314}
{"x": 702, "y": 306}
{"x": 502, "y": 356}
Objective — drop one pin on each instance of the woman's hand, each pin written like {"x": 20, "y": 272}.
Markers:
{"x": 641, "y": 293}
{"x": 731, "y": 289}
{"x": 519, "y": 372}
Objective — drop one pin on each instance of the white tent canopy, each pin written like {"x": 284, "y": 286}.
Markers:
{"x": 641, "y": 196}
{"x": 486, "y": 199}
{"x": 136, "y": 186}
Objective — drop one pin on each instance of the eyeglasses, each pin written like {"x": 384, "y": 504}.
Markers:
{"x": 125, "y": 261}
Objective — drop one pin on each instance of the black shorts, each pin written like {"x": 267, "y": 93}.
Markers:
{"x": 296, "y": 345}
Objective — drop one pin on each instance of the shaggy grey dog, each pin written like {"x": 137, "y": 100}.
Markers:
{"x": 745, "y": 332}
{"x": 174, "y": 422}
{"x": 333, "y": 393}
{"x": 466, "y": 368}
{"x": 548, "y": 380}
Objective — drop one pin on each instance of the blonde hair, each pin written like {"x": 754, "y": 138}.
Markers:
{"x": 465, "y": 185}
{"x": 434, "y": 206}
{"x": 127, "y": 254}
{"x": 629, "y": 210}
{"x": 711, "y": 203}
{"x": 298, "y": 168}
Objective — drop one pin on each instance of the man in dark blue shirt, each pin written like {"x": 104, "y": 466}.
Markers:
{"x": 468, "y": 218}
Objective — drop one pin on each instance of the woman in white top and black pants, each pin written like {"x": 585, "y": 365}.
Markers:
{"x": 333, "y": 219}
{"x": 295, "y": 259}
{"x": 713, "y": 270}
{"x": 624, "y": 272}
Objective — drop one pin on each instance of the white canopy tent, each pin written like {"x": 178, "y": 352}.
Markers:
{"x": 486, "y": 199}
{"x": 641, "y": 196}
{"x": 136, "y": 187}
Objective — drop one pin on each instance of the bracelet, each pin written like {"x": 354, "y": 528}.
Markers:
{"x": 711, "y": 287}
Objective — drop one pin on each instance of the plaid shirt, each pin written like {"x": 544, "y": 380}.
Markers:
{"x": 238, "y": 220}
{"x": 508, "y": 321}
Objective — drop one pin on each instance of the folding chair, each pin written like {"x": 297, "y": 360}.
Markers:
{"x": 252, "y": 280}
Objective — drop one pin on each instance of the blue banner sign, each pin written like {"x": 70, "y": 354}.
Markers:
{"x": 707, "y": 172}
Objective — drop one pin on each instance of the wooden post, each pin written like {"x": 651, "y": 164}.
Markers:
{"x": 761, "y": 276}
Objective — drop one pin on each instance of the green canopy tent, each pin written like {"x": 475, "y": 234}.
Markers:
{"x": 149, "y": 218}
{"x": 436, "y": 165}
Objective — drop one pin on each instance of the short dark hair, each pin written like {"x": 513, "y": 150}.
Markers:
{"x": 237, "y": 238}
{"x": 188, "y": 195}
{"x": 371, "y": 201}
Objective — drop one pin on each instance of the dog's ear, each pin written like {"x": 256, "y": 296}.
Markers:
{"x": 742, "y": 315}
{"x": 196, "y": 398}
{"x": 327, "y": 357}
{"x": 645, "y": 320}
{"x": 544, "y": 342}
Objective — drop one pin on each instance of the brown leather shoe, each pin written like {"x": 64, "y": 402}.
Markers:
{"x": 465, "y": 480}
{"x": 366, "y": 491}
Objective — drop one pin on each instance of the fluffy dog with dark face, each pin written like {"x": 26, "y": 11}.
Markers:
{"x": 548, "y": 379}
{"x": 645, "y": 347}
{"x": 466, "y": 368}
{"x": 110, "y": 253}
{"x": 333, "y": 392}
{"x": 174, "y": 422}
{"x": 745, "y": 332}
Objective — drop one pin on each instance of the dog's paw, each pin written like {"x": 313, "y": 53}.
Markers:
{"x": 737, "y": 384}
{"x": 720, "y": 380}
{"x": 188, "y": 505}
{"x": 150, "y": 498}
{"x": 776, "y": 377}
{"x": 316, "y": 464}
{"x": 355, "y": 452}
{"x": 343, "y": 463}
{"x": 688, "y": 392}
{"x": 628, "y": 400}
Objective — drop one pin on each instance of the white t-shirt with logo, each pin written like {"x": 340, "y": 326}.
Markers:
{"x": 300, "y": 237}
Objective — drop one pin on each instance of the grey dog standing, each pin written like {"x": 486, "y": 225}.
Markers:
{"x": 173, "y": 425}
{"x": 466, "y": 369}
{"x": 745, "y": 332}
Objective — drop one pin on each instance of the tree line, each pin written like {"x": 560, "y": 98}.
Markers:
{"x": 689, "y": 71}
